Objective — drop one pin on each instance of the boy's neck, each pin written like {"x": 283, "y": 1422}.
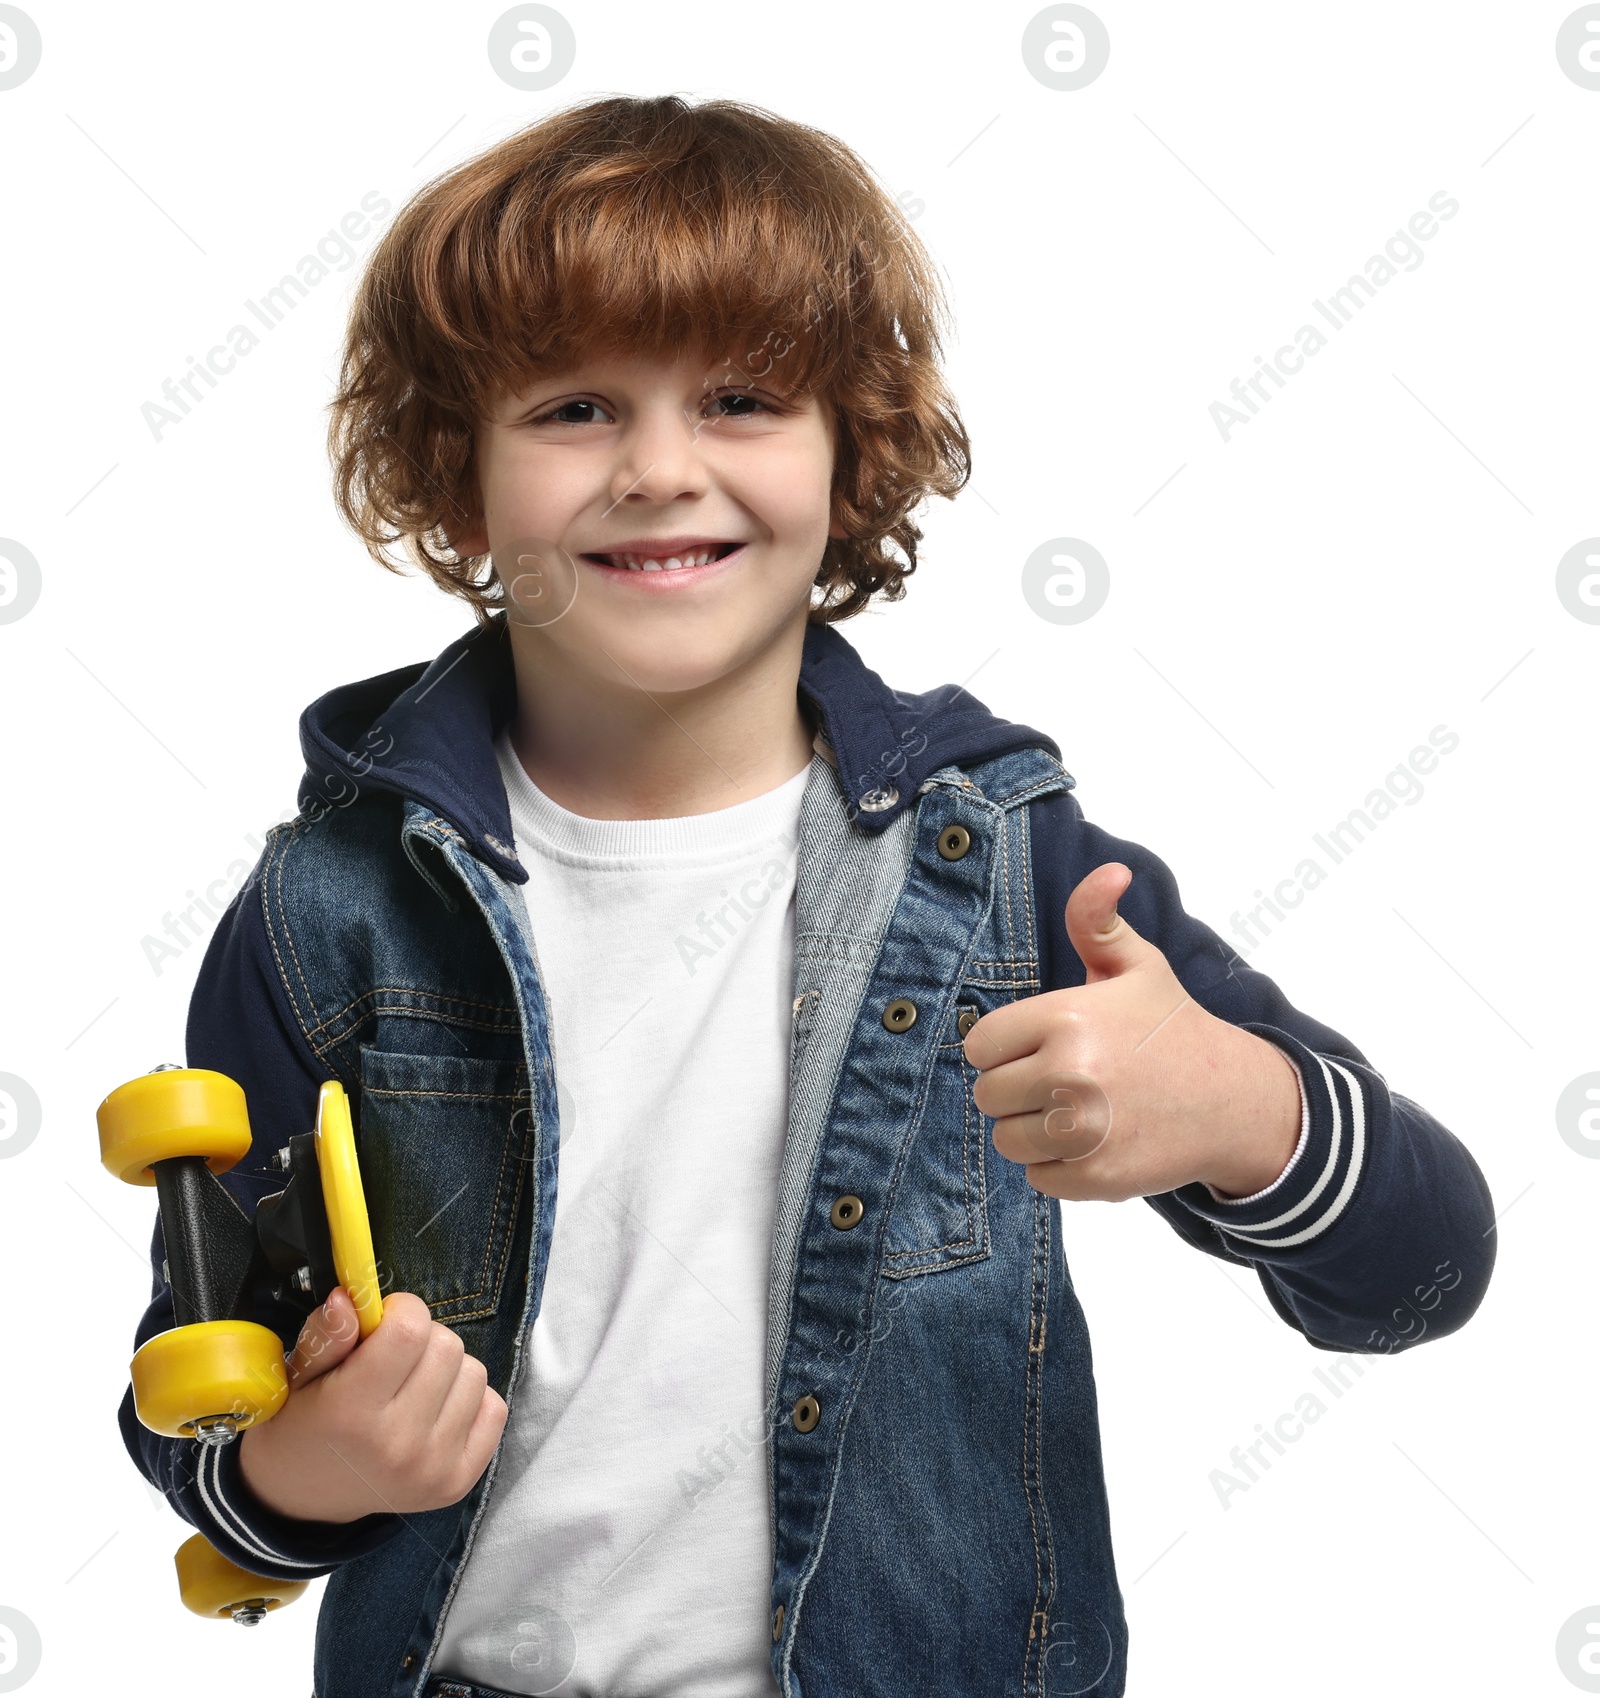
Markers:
{"x": 616, "y": 752}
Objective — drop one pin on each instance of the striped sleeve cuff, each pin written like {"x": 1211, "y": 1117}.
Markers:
{"x": 1313, "y": 1190}
{"x": 207, "y": 1487}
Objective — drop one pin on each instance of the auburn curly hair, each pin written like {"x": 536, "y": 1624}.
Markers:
{"x": 658, "y": 227}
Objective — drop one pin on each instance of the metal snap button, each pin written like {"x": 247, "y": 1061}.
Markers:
{"x": 954, "y": 842}
{"x": 847, "y": 1210}
{"x": 875, "y": 801}
{"x": 965, "y": 1021}
{"x": 777, "y": 1624}
{"x": 900, "y": 1015}
{"x": 806, "y": 1413}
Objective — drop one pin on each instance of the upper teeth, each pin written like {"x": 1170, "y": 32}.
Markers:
{"x": 641, "y": 563}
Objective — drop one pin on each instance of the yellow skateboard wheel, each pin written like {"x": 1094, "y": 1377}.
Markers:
{"x": 346, "y": 1203}
{"x": 181, "y": 1111}
{"x": 212, "y": 1378}
{"x": 212, "y": 1586}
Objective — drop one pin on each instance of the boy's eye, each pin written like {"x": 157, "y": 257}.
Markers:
{"x": 554, "y": 415}
{"x": 573, "y": 413}
{"x": 745, "y": 400}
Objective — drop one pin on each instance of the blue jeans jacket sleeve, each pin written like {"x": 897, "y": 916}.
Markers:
{"x": 1380, "y": 1232}
{"x": 239, "y": 1025}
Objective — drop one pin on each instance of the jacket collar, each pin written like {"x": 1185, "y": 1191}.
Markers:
{"x": 427, "y": 731}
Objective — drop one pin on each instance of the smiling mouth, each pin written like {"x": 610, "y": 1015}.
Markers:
{"x": 673, "y": 563}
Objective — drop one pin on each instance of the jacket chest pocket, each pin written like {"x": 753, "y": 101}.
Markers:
{"x": 940, "y": 1216}
{"x": 446, "y": 1146}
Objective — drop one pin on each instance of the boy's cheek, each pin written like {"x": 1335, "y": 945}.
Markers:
{"x": 526, "y": 500}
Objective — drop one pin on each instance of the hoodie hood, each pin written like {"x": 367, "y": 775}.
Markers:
{"x": 426, "y": 731}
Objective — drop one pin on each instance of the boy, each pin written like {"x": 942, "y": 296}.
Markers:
{"x": 817, "y": 996}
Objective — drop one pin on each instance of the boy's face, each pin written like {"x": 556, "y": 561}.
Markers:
{"x": 623, "y": 457}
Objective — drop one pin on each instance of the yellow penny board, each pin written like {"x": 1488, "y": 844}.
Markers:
{"x": 346, "y": 1203}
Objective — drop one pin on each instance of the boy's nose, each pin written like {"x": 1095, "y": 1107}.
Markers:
{"x": 659, "y": 459}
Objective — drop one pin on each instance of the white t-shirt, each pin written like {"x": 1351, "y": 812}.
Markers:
{"x": 626, "y": 1550}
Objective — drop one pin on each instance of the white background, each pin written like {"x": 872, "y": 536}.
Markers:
{"x": 1373, "y": 556}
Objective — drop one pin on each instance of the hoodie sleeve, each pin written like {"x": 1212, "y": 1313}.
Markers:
{"x": 1380, "y": 1230}
{"x": 240, "y": 1025}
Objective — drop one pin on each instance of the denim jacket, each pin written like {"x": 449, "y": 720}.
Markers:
{"x": 942, "y": 1525}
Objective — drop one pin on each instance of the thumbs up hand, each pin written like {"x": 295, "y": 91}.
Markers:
{"x": 1125, "y": 1086}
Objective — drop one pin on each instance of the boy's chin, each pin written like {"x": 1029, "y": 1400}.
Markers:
{"x": 695, "y": 656}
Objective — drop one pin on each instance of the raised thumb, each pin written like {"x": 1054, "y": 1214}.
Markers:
{"x": 1105, "y": 942}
